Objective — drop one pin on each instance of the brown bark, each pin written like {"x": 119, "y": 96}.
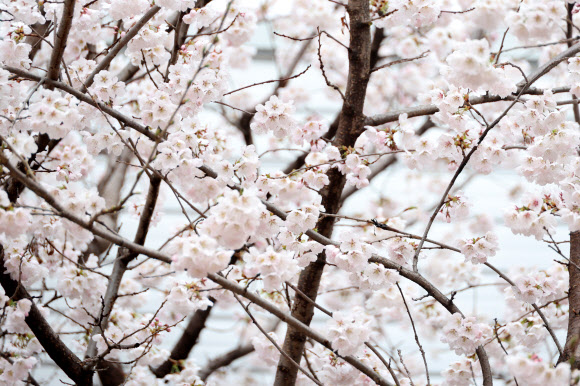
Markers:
{"x": 378, "y": 38}
{"x": 64, "y": 27}
{"x": 185, "y": 343}
{"x": 571, "y": 353}
{"x": 351, "y": 122}
{"x": 112, "y": 374}
{"x": 35, "y": 41}
{"x": 569, "y": 35}
{"x": 64, "y": 358}
{"x": 225, "y": 360}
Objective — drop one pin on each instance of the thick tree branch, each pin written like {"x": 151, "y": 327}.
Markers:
{"x": 225, "y": 360}
{"x": 571, "y": 352}
{"x": 65, "y": 24}
{"x": 378, "y": 39}
{"x": 121, "y": 263}
{"x": 55, "y": 348}
{"x": 185, "y": 343}
{"x": 294, "y": 323}
{"x": 113, "y": 52}
{"x": 351, "y": 122}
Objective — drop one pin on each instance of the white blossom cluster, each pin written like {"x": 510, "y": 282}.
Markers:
{"x": 306, "y": 251}
{"x": 465, "y": 335}
{"x": 301, "y": 220}
{"x": 234, "y": 219}
{"x": 183, "y": 299}
{"x": 470, "y": 67}
{"x": 536, "y": 217}
{"x": 348, "y": 332}
{"x": 528, "y": 333}
{"x": 174, "y": 103}
{"x": 539, "y": 287}
{"x": 477, "y": 250}
{"x": 455, "y": 207}
{"x": 534, "y": 371}
{"x": 536, "y": 20}
{"x": 275, "y": 116}
{"x": 198, "y": 256}
{"x": 265, "y": 349}
{"x": 274, "y": 267}
{"x": 414, "y": 13}
{"x": 353, "y": 254}
{"x": 459, "y": 373}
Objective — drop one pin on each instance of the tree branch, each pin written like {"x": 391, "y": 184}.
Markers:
{"x": 87, "y": 99}
{"x": 121, "y": 263}
{"x": 225, "y": 360}
{"x": 185, "y": 343}
{"x": 378, "y": 39}
{"x": 571, "y": 353}
{"x": 350, "y": 125}
{"x": 130, "y": 34}
{"x": 276, "y": 345}
{"x": 415, "y": 333}
{"x": 55, "y": 348}
{"x": 61, "y": 39}
{"x": 294, "y": 323}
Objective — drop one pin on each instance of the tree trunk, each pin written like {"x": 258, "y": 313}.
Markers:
{"x": 571, "y": 353}
{"x": 351, "y": 123}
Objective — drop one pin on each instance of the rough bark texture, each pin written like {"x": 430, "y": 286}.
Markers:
{"x": 110, "y": 188}
{"x": 35, "y": 40}
{"x": 378, "y": 38}
{"x": 571, "y": 353}
{"x": 350, "y": 125}
{"x": 65, "y": 24}
{"x": 112, "y": 374}
{"x": 185, "y": 343}
{"x": 225, "y": 360}
{"x": 64, "y": 358}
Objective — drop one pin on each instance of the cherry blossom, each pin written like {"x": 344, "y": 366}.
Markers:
{"x": 347, "y": 333}
{"x": 535, "y": 371}
{"x": 357, "y": 181}
{"x": 477, "y": 250}
{"x": 464, "y": 335}
{"x": 274, "y": 115}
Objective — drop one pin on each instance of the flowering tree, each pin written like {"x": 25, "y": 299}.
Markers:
{"x": 111, "y": 108}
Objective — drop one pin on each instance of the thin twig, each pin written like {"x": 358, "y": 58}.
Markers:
{"x": 536, "y": 308}
{"x": 404, "y": 60}
{"x": 328, "y": 83}
{"x": 458, "y": 12}
{"x": 405, "y": 367}
{"x": 270, "y": 81}
{"x": 385, "y": 362}
{"x": 415, "y": 332}
{"x": 274, "y": 343}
